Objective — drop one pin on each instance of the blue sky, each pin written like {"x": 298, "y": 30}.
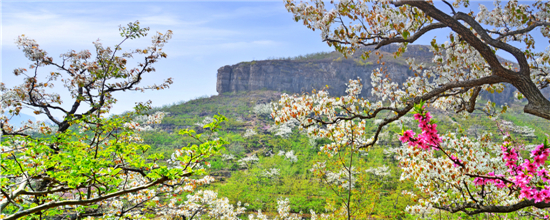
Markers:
{"x": 207, "y": 36}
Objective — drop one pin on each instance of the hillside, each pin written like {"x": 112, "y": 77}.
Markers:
{"x": 251, "y": 133}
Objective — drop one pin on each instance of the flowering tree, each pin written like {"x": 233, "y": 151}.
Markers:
{"x": 472, "y": 176}
{"x": 283, "y": 211}
{"x": 90, "y": 164}
{"x": 461, "y": 68}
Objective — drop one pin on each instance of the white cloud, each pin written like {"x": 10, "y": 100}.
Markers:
{"x": 53, "y": 29}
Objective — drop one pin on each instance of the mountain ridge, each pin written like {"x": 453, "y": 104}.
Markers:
{"x": 304, "y": 74}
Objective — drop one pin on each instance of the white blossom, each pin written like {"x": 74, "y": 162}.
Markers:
{"x": 205, "y": 121}
{"x": 262, "y": 109}
{"x": 249, "y": 133}
{"x": 289, "y": 155}
{"x": 379, "y": 171}
{"x": 247, "y": 162}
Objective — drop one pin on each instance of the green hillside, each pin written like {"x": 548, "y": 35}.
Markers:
{"x": 277, "y": 174}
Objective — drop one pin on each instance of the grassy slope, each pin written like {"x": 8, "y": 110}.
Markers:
{"x": 295, "y": 180}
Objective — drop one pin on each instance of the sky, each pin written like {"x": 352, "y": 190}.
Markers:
{"x": 207, "y": 36}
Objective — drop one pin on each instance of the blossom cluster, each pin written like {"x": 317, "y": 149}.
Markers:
{"x": 283, "y": 211}
{"x": 247, "y": 161}
{"x": 284, "y": 129}
{"x": 522, "y": 130}
{"x": 429, "y": 138}
{"x": 521, "y": 174}
{"x": 271, "y": 173}
{"x": 249, "y": 133}
{"x": 309, "y": 110}
{"x": 31, "y": 49}
{"x": 443, "y": 178}
{"x": 289, "y": 155}
{"x": 205, "y": 121}
{"x": 530, "y": 177}
{"x": 206, "y": 203}
{"x": 262, "y": 109}
{"x": 228, "y": 157}
{"x": 379, "y": 171}
{"x": 490, "y": 176}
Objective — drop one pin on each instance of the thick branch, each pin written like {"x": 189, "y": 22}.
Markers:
{"x": 538, "y": 104}
{"x": 412, "y": 38}
{"x": 36, "y": 193}
{"x": 477, "y": 209}
{"x": 435, "y": 93}
{"x": 397, "y": 39}
{"x": 14, "y": 194}
{"x": 523, "y": 31}
{"x": 517, "y": 53}
{"x": 463, "y": 31}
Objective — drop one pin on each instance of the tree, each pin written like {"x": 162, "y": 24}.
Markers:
{"x": 87, "y": 163}
{"x": 357, "y": 193}
{"x": 462, "y": 67}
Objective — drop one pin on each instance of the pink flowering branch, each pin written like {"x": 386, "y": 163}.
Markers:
{"x": 429, "y": 138}
{"x": 529, "y": 177}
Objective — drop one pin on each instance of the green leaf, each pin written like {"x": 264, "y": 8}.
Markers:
{"x": 405, "y": 34}
{"x": 115, "y": 171}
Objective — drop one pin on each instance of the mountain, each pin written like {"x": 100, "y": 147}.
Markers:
{"x": 247, "y": 87}
{"x": 310, "y": 72}
{"x": 316, "y": 71}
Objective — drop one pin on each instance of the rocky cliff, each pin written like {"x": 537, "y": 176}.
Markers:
{"x": 328, "y": 69}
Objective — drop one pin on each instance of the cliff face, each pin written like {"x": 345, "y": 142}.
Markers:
{"x": 297, "y": 76}
{"x": 304, "y": 75}
{"x": 300, "y": 76}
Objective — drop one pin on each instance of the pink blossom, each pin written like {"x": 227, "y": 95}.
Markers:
{"x": 456, "y": 161}
{"x": 422, "y": 125}
{"x": 537, "y": 195}
{"x": 545, "y": 193}
{"x": 499, "y": 184}
{"x": 423, "y": 145}
{"x": 407, "y": 135}
{"x": 539, "y": 160}
{"x": 428, "y": 116}
{"x": 530, "y": 167}
{"x": 526, "y": 193}
{"x": 542, "y": 173}
{"x": 538, "y": 150}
